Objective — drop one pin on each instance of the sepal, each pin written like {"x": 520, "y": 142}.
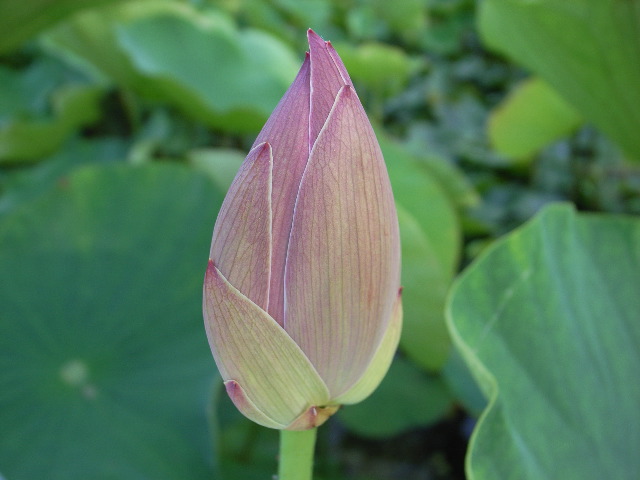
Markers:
{"x": 253, "y": 351}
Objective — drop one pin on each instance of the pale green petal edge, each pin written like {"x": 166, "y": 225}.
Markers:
{"x": 248, "y": 408}
{"x": 380, "y": 363}
{"x": 251, "y": 349}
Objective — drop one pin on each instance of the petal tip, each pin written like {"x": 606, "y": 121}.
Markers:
{"x": 316, "y": 42}
{"x": 243, "y": 403}
{"x": 211, "y": 271}
{"x": 348, "y": 94}
{"x": 212, "y": 275}
{"x": 260, "y": 149}
{"x": 312, "y": 35}
{"x": 233, "y": 390}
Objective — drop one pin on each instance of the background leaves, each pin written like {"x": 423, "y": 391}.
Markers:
{"x": 586, "y": 49}
{"x": 547, "y": 321}
{"x": 122, "y": 125}
{"x": 20, "y": 20}
{"x": 533, "y": 116}
{"x": 132, "y": 48}
{"x": 104, "y": 371}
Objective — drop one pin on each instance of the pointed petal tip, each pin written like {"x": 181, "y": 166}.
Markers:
{"x": 348, "y": 93}
{"x": 346, "y": 79}
{"x": 234, "y": 390}
{"x": 260, "y": 149}
{"x": 315, "y": 40}
{"x": 210, "y": 272}
{"x": 247, "y": 407}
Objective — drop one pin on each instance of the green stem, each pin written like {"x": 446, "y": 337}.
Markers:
{"x": 296, "y": 454}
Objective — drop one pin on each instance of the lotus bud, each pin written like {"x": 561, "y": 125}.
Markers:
{"x": 301, "y": 295}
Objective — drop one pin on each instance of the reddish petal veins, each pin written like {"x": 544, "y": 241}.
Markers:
{"x": 328, "y": 76}
{"x": 241, "y": 245}
{"x": 287, "y": 130}
{"x": 342, "y": 271}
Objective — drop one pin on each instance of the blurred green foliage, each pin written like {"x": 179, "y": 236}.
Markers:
{"x": 531, "y": 117}
{"x": 586, "y": 49}
{"x": 122, "y": 123}
{"x": 547, "y": 319}
{"x": 106, "y": 374}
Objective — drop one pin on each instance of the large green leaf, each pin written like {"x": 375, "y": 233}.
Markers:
{"x": 547, "y": 320}
{"x": 104, "y": 365}
{"x": 22, "y": 185}
{"x": 238, "y": 76}
{"x": 430, "y": 236}
{"x": 529, "y": 119}
{"x": 199, "y": 62}
{"x": 587, "y": 50}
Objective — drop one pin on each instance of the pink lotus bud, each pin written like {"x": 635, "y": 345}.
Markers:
{"x": 301, "y": 296}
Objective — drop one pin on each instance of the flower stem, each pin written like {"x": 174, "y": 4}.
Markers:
{"x": 296, "y": 454}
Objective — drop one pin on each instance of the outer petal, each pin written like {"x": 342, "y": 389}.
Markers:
{"x": 343, "y": 264}
{"x": 381, "y": 360}
{"x": 328, "y": 76}
{"x": 339, "y": 65}
{"x": 276, "y": 380}
{"x": 241, "y": 245}
{"x": 310, "y": 418}
{"x": 287, "y": 131}
{"x": 247, "y": 407}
